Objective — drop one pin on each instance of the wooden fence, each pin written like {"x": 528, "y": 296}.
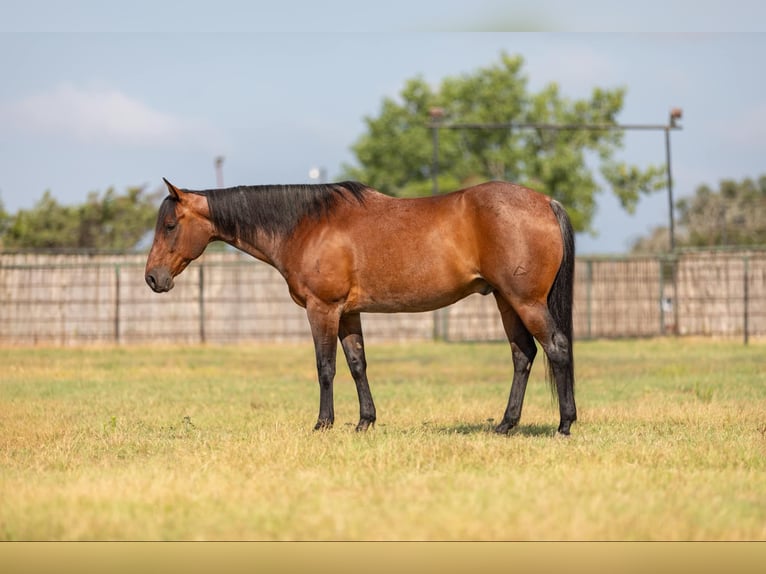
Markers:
{"x": 228, "y": 297}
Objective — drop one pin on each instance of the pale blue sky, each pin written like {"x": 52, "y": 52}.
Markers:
{"x": 128, "y": 97}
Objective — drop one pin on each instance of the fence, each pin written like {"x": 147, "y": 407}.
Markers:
{"x": 227, "y": 297}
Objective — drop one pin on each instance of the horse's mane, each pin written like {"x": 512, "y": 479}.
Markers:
{"x": 275, "y": 209}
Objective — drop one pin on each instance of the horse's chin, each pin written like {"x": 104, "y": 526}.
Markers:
{"x": 164, "y": 288}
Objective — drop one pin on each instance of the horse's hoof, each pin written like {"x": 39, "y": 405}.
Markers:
{"x": 504, "y": 428}
{"x": 323, "y": 425}
{"x": 364, "y": 424}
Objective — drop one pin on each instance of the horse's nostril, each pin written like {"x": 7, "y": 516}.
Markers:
{"x": 159, "y": 279}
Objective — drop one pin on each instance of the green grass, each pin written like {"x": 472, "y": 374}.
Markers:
{"x": 214, "y": 443}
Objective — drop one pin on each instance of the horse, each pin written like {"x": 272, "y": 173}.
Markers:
{"x": 346, "y": 249}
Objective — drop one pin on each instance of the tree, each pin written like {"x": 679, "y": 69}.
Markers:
{"x": 658, "y": 241}
{"x": 4, "y": 221}
{"x": 395, "y": 154}
{"x": 46, "y": 225}
{"x": 104, "y": 222}
{"x": 735, "y": 214}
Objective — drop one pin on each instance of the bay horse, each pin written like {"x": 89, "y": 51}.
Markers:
{"x": 345, "y": 249}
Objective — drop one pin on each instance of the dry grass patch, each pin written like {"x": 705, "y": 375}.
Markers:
{"x": 214, "y": 443}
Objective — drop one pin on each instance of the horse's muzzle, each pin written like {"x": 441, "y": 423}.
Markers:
{"x": 159, "y": 280}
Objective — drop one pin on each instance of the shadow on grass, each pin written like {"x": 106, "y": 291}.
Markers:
{"x": 533, "y": 430}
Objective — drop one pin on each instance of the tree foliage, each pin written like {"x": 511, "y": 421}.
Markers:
{"x": 4, "y": 221}
{"x": 734, "y": 214}
{"x": 395, "y": 153}
{"x": 104, "y": 222}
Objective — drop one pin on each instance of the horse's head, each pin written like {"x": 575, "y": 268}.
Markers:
{"x": 183, "y": 231}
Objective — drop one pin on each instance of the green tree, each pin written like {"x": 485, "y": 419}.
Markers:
{"x": 395, "y": 153}
{"x": 47, "y": 225}
{"x": 4, "y": 221}
{"x": 734, "y": 214}
{"x": 104, "y": 222}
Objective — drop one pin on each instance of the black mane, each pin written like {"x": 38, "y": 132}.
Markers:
{"x": 275, "y": 209}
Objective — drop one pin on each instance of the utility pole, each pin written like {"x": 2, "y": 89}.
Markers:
{"x": 219, "y": 171}
{"x": 675, "y": 115}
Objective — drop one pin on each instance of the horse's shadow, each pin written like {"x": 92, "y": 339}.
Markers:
{"x": 532, "y": 430}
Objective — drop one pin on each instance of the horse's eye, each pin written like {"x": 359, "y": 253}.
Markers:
{"x": 170, "y": 226}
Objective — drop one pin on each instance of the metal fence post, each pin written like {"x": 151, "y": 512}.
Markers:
{"x": 589, "y": 296}
{"x": 117, "y": 303}
{"x": 675, "y": 265}
{"x": 746, "y": 299}
{"x": 201, "y": 303}
{"x": 661, "y": 263}
{"x": 440, "y": 328}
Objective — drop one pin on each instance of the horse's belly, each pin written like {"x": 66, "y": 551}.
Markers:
{"x": 415, "y": 298}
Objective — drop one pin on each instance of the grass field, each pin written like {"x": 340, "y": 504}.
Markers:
{"x": 214, "y": 443}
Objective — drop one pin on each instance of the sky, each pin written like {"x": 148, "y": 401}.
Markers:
{"x": 96, "y": 95}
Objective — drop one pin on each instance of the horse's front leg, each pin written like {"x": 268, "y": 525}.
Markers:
{"x": 324, "y": 329}
{"x": 353, "y": 347}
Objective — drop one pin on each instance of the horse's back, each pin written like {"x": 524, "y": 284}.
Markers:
{"x": 492, "y": 198}
{"x": 483, "y": 225}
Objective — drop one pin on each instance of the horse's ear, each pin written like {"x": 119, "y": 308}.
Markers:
{"x": 172, "y": 189}
{"x": 194, "y": 201}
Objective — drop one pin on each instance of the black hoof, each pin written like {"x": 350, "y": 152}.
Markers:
{"x": 323, "y": 425}
{"x": 564, "y": 428}
{"x": 364, "y": 424}
{"x": 504, "y": 427}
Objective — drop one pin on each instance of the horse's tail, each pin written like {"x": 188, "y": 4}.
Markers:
{"x": 561, "y": 296}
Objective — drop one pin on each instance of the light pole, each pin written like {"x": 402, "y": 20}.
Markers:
{"x": 219, "y": 171}
{"x": 675, "y": 115}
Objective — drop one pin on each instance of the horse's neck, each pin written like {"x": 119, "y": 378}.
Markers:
{"x": 265, "y": 248}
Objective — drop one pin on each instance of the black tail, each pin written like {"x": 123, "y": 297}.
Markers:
{"x": 561, "y": 296}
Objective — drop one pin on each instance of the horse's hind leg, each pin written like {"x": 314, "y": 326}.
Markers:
{"x": 557, "y": 347}
{"x": 350, "y": 334}
{"x": 524, "y": 350}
